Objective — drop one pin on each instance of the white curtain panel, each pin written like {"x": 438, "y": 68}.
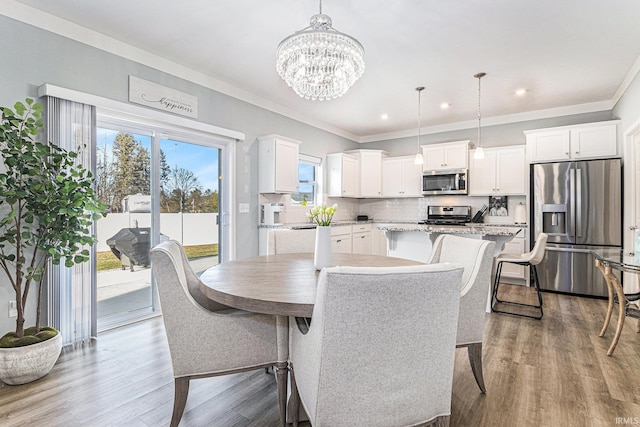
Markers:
{"x": 70, "y": 292}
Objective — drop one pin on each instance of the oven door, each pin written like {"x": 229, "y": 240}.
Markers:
{"x": 444, "y": 182}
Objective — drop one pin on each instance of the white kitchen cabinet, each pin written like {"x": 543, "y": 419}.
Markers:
{"x": 341, "y": 175}
{"x": 369, "y": 172}
{"x": 449, "y": 155}
{"x": 277, "y": 164}
{"x": 593, "y": 141}
{"x": 401, "y": 177}
{"x": 361, "y": 239}
{"x": 341, "y": 239}
{"x": 501, "y": 172}
{"x": 586, "y": 141}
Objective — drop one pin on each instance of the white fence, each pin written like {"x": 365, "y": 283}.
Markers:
{"x": 187, "y": 228}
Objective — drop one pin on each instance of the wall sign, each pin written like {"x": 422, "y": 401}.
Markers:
{"x": 162, "y": 98}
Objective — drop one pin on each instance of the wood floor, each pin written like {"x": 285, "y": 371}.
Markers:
{"x": 553, "y": 372}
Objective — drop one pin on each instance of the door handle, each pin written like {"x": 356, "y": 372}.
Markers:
{"x": 578, "y": 203}
{"x": 575, "y": 250}
{"x": 572, "y": 211}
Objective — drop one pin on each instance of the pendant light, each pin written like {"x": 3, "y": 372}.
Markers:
{"x": 419, "y": 159}
{"x": 479, "y": 152}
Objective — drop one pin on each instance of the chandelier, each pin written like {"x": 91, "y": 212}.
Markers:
{"x": 319, "y": 62}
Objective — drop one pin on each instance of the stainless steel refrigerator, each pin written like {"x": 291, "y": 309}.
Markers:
{"x": 579, "y": 205}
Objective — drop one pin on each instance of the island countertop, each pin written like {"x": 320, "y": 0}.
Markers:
{"x": 482, "y": 230}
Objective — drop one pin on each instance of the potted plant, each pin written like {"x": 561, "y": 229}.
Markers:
{"x": 47, "y": 206}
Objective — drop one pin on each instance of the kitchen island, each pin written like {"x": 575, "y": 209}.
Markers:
{"x": 414, "y": 241}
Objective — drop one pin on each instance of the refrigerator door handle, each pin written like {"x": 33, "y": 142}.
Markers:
{"x": 582, "y": 251}
{"x": 578, "y": 209}
{"x": 572, "y": 211}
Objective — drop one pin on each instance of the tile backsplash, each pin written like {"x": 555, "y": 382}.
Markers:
{"x": 409, "y": 209}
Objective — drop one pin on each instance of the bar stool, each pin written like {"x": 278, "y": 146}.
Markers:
{"x": 532, "y": 259}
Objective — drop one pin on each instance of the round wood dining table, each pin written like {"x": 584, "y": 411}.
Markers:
{"x": 283, "y": 285}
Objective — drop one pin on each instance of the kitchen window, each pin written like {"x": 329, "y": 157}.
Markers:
{"x": 308, "y": 178}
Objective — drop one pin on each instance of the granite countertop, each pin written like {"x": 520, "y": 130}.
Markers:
{"x": 414, "y": 225}
{"x": 307, "y": 225}
{"x": 484, "y": 229}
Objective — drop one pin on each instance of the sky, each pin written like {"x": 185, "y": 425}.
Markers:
{"x": 201, "y": 160}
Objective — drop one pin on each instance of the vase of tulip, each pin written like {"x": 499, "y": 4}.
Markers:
{"x": 322, "y": 217}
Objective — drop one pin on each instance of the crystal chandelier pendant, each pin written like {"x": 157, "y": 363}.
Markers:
{"x": 319, "y": 62}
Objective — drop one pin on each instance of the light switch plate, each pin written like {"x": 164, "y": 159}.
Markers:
{"x": 13, "y": 309}
{"x": 243, "y": 207}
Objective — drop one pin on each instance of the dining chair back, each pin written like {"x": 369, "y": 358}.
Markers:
{"x": 380, "y": 348}
{"x": 205, "y": 338}
{"x": 476, "y": 256}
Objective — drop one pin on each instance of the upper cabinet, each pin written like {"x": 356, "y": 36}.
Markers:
{"x": 277, "y": 164}
{"x": 501, "y": 172}
{"x": 449, "y": 155}
{"x": 368, "y": 172}
{"x": 342, "y": 171}
{"x": 586, "y": 141}
{"x": 401, "y": 177}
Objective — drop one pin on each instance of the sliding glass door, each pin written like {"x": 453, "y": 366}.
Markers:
{"x": 156, "y": 186}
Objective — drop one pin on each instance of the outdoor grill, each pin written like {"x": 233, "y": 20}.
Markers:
{"x": 134, "y": 244}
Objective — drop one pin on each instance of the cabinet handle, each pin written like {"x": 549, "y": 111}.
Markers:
{"x": 577, "y": 152}
{"x": 566, "y": 154}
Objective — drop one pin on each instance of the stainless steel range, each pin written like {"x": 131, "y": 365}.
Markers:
{"x": 448, "y": 215}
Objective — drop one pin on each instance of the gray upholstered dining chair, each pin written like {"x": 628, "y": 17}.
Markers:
{"x": 476, "y": 256}
{"x": 380, "y": 348}
{"x": 205, "y": 338}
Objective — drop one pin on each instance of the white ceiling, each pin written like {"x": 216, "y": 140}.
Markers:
{"x": 571, "y": 55}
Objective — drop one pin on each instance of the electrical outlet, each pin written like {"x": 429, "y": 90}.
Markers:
{"x": 13, "y": 309}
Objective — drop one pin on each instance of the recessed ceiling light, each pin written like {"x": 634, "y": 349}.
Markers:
{"x": 445, "y": 105}
{"x": 521, "y": 92}
{"x": 384, "y": 116}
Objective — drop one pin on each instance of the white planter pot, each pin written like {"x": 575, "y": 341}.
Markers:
{"x": 21, "y": 365}
{"x": 322, "y": 254}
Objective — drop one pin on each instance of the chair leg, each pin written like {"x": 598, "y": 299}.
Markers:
{"x": 536, "y": 284}
{"x": 475, "y": 359}
{"x": 496, "y": 284}
{"x": 295, "y": 399}
{"x": 179, "y": 400}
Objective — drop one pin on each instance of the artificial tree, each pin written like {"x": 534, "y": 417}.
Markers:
{"x": 47, "y": 208}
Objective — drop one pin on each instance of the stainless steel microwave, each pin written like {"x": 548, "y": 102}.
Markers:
{"x": 445, "y": 182}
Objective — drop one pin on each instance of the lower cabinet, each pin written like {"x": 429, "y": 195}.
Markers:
{"x": 341, "y": 239}
{"x": 361, "y": 239}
